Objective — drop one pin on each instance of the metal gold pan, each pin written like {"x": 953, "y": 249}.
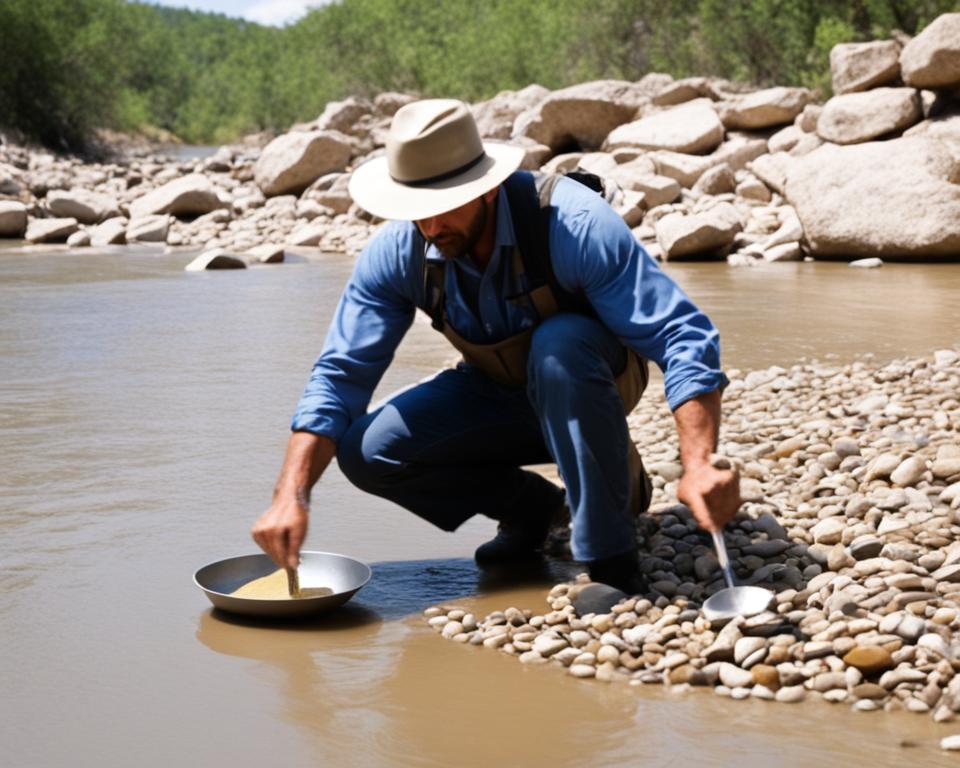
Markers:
{"x": 342, "y": 574}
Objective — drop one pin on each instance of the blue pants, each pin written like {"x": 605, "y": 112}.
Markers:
{"x": 453, "y": 447}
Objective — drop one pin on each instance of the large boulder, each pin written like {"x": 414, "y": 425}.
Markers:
{"x": 13, "y": 218}
{"x": 346, "y": 116}
{"x": 50, "y": 230}
{"x": 763, "y": 109}
{"x": 148, "y": 229}
{"x": 945, "y": 128}
{"x": 855, "y": 117}
{"x": 190, "y": 195}
{"x": 581, "y": 115}
{"x": 111, "y": 232}
{"x": 861, "y": 66}
{"x": 681, "y": 91}
{"x": 699, "y": 234}
{"x": 738, "y": 150}
{"x": 686, "y": 169}
{"x": 292, "y": 162}
{"x": 657, "y": 190}
{"x": 84, "y": 206}
{"x": 495, "y": 117}
{"x": 772, "y": 170}
{"x": 932, "y": 58}
{"x": 217, "y": 258}
{"x": 692, "y": 128}
{"x": 898, "y": 198}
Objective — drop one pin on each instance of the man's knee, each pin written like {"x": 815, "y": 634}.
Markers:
{"x": 357, "y": 458}
{"x": 566, "y": 348}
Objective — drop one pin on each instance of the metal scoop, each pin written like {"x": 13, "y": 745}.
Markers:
{"x": 733, "y": 601}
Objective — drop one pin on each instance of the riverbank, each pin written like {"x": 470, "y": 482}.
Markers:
{"x": 851, "y": 484}
{"x": 698, "y": 168}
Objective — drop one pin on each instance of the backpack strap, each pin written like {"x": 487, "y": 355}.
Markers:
{"x": 434, "y": 288}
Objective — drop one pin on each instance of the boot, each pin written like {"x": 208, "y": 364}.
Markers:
{"x": 518, "y": 539}
{"x": 620, "y": 571}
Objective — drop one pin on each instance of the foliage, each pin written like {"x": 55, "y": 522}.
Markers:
{"x": 70, "y": 66}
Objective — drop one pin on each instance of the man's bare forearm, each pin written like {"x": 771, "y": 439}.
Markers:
{"x": 712, "y": 494}
{"x": 308, "y": 455}
{"x": 698, "y": 427}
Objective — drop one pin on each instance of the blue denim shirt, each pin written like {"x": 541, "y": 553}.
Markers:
{"x": 592, "y": 252}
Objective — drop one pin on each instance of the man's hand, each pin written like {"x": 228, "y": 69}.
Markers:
{"x": 712, "y": 494}
{"x": 710, "y": 488}
{"x": 280, "y": 530}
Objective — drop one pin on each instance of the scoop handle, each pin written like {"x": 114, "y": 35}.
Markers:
{"x": 293, "y": 582}
{"x": 721, "y": 548}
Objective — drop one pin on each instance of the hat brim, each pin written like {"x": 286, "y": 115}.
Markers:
{"x": 374, "y": 190}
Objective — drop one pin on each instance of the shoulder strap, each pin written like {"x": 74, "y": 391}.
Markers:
{"x": 434, "y": 285}
{"x": 529, "y": 195}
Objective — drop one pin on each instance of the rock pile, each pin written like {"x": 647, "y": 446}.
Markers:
{"x": 851, "y": 483}
{"x": 699, "y": 167}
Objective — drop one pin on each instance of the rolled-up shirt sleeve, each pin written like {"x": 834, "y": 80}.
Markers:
{"x": 372, "y": 316}
{"x": 594, "y": 251}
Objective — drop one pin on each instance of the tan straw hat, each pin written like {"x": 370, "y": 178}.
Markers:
{"x": 435, "y": 162}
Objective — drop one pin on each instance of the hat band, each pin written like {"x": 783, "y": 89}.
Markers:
{"x": 443, "y": 176}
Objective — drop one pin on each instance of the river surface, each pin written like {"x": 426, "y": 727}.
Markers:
{"x": 143, "y": 416}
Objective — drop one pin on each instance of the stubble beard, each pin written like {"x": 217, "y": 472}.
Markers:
{"x": 453, "y": 244}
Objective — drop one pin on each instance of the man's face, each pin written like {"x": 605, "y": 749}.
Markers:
{"x": 456, "y": 232}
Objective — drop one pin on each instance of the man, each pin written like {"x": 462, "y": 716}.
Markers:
{"x": 554, "y": 348}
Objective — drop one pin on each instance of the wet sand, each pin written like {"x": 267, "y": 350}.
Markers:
{"x": 142, "y": 421}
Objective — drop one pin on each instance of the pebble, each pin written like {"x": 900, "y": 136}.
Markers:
{"x": 583, "y": 670}
{"x": 951, "y": 743}
{"x": 909, "y": 471}
{"x": 791, "y": 694}
{"x": 733, "y": 676}
{"x": 869, "y": 659}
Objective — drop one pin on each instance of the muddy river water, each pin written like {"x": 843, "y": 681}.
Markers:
{"x": 143, "y": 415}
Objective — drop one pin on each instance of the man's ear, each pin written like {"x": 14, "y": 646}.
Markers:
{"x": 491, "y": 196}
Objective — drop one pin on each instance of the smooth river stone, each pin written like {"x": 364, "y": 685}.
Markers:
{"x": 951, "y": 743}
{"x": 734, "y": 677}
{"x": 869, "y": 659}
{"x": 866, "y": 548}
{"x": 791, "y": 694}
{"x": 868, "y": 691}
{"x": 766, "y": 675}
{"x": 909, "y": 472}
{"x": 546, "y": 646}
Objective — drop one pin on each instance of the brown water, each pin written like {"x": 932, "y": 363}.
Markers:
{"x": 143, "y": 415}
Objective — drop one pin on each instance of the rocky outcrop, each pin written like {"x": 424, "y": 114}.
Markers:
{"x": 691, "y": 128}
{"x": 581, "y": 115}
{"x": 856, "y": 117}
{"x": 676, "y": 152}
{"x": 899, "y": 198}
{"x": 932, "y": 58}
{"x": 290, "y": 163}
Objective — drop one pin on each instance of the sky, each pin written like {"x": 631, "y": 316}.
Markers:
{"x": 275, "y": 12}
